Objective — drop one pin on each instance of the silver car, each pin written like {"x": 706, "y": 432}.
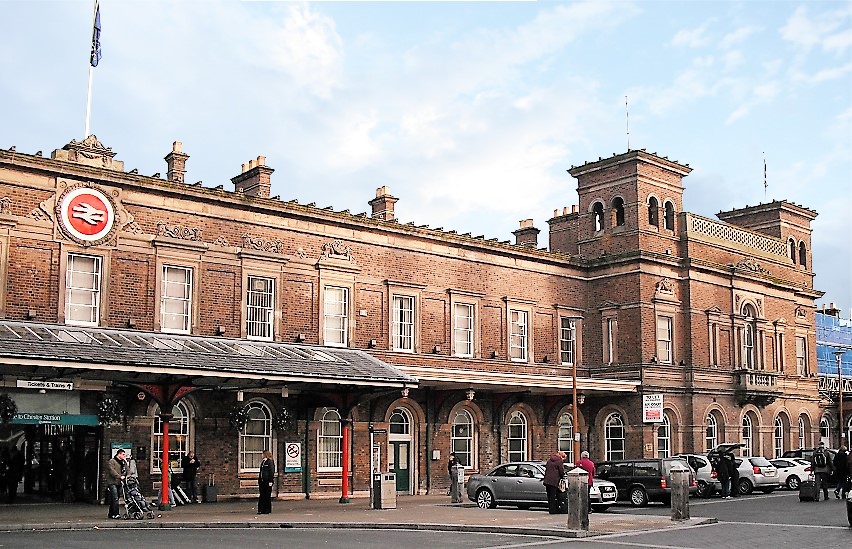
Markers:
{"x": 705, "y": 476}
{"x": 520, "y": 484}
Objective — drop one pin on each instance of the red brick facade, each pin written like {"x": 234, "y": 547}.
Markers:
{"x": 659, "y": 308}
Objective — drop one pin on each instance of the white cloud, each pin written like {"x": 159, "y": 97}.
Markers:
{"x": 692, "y": 38}
{"x": 807, "y": 31}
{"x": 737, "y": 37}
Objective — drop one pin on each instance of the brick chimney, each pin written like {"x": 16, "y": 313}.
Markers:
{"x": 176, "y": 162}
{"x": 527, "y": 235}
{"x": 383, "y": 204}
{"x": 255, "y": 179}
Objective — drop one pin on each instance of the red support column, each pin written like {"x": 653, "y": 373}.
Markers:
{"x": 346, "y": 424}
{"x": 164, "y": 463}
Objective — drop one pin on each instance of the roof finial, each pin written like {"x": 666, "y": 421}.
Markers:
{"x": 627, "y": 122}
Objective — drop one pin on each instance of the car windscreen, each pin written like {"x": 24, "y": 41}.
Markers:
{"x": 760, "y": 462}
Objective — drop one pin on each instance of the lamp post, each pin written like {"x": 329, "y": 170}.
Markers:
{"x": 838, "y": 355}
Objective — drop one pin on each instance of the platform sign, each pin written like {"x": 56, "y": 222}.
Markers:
{"x": 293, "y": 457}
{"x": 124, "y": 445}
{"x": 652, "y": 408}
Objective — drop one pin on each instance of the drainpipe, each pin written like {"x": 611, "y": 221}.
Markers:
{"x": 428, "y": 441}
{"x": 306, "y": 478}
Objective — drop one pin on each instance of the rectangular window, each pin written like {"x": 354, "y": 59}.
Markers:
{"x": 176, "y": 300}
{"x": 567, "y": 340}
{"x": 403, "y": 323}
{"x": 801, "y": 356}
{"x": 260, "y": 307}
{"x": 336, "y": 316}
{"x": 610, "y": 348}
{"x": 518, "y": 335}
{"x": 83, "y": 290}
{"x": 664, "y": 339}
{"x": 463, "y": 329}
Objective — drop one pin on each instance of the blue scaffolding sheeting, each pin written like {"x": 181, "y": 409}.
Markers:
{"x": 833, "y": 334}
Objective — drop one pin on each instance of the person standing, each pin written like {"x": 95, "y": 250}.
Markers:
{"x": 735, "y": 475}
{"x": 15, "y": 473}
{"x": 265, "y": 478}
{"x": 841, "y": 472}
{"x": 553, "y": 471}
{"x": 589, "y": 466}
{"x": 453, "y": 465}
{"x": 822, "y": 467}
{"x": 190, "y": 469}
{"x": 723, "y": 475}
{"x": 115, "y": 473}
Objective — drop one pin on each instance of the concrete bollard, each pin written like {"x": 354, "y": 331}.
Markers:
{"x": 578, "y": 499}
{"x": 680, "y": 491}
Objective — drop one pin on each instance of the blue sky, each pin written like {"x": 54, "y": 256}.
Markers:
{"x": 470, "y": 112}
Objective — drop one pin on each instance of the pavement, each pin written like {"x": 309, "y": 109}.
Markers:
{"x": 431, "y": 512}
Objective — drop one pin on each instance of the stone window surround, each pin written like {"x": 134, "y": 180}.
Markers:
{"x": 577, "y": 316}
{"x": 413, "y": 291}
{"x": 66, "y": 249}
{"x": 525, "y": 306}
{"x": 465, "y": 298}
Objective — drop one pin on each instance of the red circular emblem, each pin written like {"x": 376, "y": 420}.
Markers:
{"x": 87, "y": 214}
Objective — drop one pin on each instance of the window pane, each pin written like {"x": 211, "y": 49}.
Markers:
{"x": 82, "y": 289}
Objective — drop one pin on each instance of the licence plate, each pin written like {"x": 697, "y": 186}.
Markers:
{"x": 770, "y": 473}
{"x": 608, "y": 495}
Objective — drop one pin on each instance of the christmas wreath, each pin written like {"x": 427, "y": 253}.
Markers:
{"x": 8, "y": 409}
{"x": 109, "y": 410}
{"x": 238, "y": 417}
{"x": 284, "y": 419}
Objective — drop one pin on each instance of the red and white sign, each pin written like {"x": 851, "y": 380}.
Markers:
{"x": 652, "y": 408}
{"x": 87, "y": 214}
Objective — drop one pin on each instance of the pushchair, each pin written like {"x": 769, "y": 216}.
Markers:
{"x": 135, "y": 506}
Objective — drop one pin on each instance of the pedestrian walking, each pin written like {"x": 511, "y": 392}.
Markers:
{"x": 589, "y": 466}
{"x": 190, "y": 464}
{"x": 553, "y": 471}
{"x": 265, "y": 478}
{"x": 822, "y": 468}
{"x": 723, "y": 474}
{"x": 14, "y": 473}
{"x": 116, "y": 471}
{"x": 841, "y": 472}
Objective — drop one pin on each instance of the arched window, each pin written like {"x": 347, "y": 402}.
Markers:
{"x": 653, "y": 212}
{"x": 618, "y": 207}
{"x": 824, "y": 431}
{"x": 614, "y": 436}
{"x": 664, "y": 437}
{"x": 712, "y": 436}
{"x": 793, "y": 250}
{"x": 256, "y": 436}
{"x": 669, "y": 216}
{"x": 400, "y": 424}
{"x": 801, "y": 432}
{"x": 748, "y": 337}
{"x": 803, "y": 256}
{"x": 462, "y": 438}
{"x": 330, "y": 441}
{"x": 565, "y": 438}
{"x": 179, "y": 437}
{"x": 747, "y": 439}
{"x": 598, "y": 215}
{"x": 518, "y": 437}
{"x": 778, "y": 445}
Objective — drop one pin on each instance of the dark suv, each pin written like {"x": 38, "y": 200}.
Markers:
{"x": 643, "y": 480}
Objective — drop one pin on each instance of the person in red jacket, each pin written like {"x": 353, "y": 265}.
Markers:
{"x": 587, "y": 465}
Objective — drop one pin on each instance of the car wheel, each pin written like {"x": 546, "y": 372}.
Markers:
{"x": 702, "y": 490}
{"x": 638, "y": 497}
{"x": 745, "y": 486}
{"x": 767, "y": 490}
{"x": 485, "y": 499}
{"x": 793, "y": 482}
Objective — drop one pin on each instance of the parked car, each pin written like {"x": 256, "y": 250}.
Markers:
{"x": 791, "y": 471}
{"x": 520, "y": 484}
{"x": 705, "y": 475}
{"x": 756, "y": 473}
{"x": 807, "y": 453}
{"x": 643, "y": 480}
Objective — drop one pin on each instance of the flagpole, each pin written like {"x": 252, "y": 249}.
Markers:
{"x": 89, "y": 91}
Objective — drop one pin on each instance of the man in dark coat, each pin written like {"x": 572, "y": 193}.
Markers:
{"x": 553, "y": 471}
{"x": 116, "y": 470}
{"x": 723, "y": 474}
{"x": 265, "y": 480}
{"x": 14, "y": 473}
{"x": 735, "y": 475}
{"x": 841, "y": 472}
{"x": 190, "y": 464}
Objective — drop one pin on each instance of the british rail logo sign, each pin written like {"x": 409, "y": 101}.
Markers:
{"x": 87, "y": 215}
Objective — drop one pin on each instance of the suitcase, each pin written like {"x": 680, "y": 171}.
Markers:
{"x": 209, "y": 492}
{"x": 807, "y": 489}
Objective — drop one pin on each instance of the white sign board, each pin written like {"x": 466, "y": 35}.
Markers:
{"x": 292, "y": 457}
{"x": 652, "y": 408}
{"x": 59, "y": 385}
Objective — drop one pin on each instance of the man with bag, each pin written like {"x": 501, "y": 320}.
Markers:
{"x": 553, "y": 471}
{"x": 822, "y": 467}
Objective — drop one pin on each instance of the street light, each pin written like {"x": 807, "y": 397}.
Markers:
{"x": 838, "y": 355}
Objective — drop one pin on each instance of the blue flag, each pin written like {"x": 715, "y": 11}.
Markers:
{"x": 96, "y": 37}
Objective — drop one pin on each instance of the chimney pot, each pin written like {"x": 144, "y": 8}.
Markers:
{"x": 527, "y": 235}
{"x": 382, "y": 191}
{"x": 254, "y": 179}
{"x": 556, "y": 212}
{"x": 525, "y": 223}
{"x": 261, "y": 160}
{"x": 177, "y": 147}
{"x": 383, "y": 204}
{"x": 574, "y": 208}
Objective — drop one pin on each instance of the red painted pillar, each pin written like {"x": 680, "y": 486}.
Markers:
{"x": 164, "y": 463}
{"x": 346, "y": 424}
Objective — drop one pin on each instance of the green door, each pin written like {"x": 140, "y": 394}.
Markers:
{"x": 400, "y": 465}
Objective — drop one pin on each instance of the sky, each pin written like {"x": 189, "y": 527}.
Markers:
{"x": 469, "y": 112}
